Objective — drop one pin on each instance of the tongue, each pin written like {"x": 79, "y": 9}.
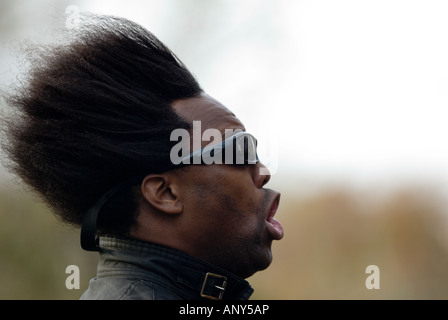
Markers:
{"x": 275, "y": 229}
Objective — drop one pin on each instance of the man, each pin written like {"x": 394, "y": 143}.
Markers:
{"x": 93, "y": 135}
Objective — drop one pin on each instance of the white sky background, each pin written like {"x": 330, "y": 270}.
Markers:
{"x": 356, "y": 90}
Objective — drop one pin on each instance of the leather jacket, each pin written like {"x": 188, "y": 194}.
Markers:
{"x": 135, "y": 270}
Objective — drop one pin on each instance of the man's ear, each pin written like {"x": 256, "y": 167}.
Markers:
{"x": 161, "y": 193}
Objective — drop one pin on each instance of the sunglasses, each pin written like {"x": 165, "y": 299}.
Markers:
{"x": 239, "y": 149}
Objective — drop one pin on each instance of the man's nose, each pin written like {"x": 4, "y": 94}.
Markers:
{"x": 262, "y": 175}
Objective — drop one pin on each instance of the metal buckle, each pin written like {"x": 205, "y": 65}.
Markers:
{"x": 221, "y": 288}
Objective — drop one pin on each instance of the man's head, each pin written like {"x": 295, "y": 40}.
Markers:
{"x": 99, "y": 110}
{"x": 220, "y": 212}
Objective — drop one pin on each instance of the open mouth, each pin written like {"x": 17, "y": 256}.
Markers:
{"x": 274, "y": 226}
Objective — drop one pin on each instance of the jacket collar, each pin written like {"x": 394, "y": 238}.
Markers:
{"x": 190, "y": 277}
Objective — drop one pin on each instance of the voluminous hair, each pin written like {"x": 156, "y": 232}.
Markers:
{"x": 94, "y": 111}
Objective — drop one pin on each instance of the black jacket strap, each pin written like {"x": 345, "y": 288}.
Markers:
{"x": 89, "y": 240}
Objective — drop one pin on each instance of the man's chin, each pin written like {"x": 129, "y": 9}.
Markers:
{"x": 266, "y": 262}
{"x": 257, "y": 260}
{"x": 261, "y": 262}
